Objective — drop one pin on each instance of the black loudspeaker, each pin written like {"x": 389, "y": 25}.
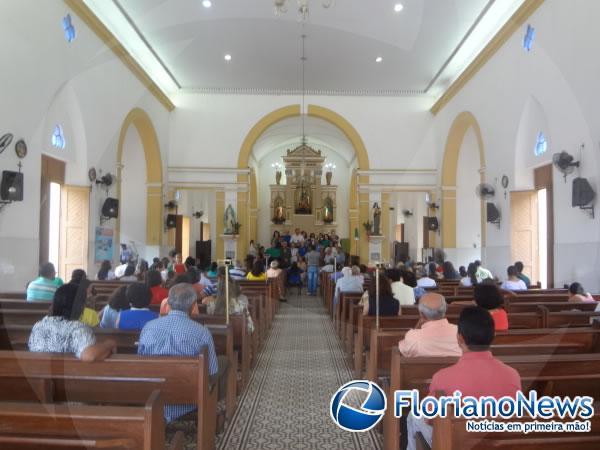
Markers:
{"x": 11, "y": 188}
{"x": 583, "y": 194}
{"x": 432, "y": 224}
{"x": 171, "y": 221}
{"x": 110, "y": 208}
{"x": 493, "y": 215}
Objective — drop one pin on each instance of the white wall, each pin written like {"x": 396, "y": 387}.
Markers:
{"x": 81, "y": 86}
{"x": 468, "y": 205}
{"x": 133, "y": 194}
{"x": 561, "y": 75}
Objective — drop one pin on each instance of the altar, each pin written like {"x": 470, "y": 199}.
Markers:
{"x": 303, "y": 201}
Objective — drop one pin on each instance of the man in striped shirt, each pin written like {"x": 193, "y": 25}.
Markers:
{"x": 177, "y": 335}
{"x": 44, "y": 287}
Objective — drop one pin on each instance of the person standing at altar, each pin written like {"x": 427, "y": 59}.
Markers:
{"x": 297, "y": 237}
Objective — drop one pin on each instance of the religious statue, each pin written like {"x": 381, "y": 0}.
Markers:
{"x": 328, "y": 210}
{"x": 303, "y": 206}
{"x": 229, "y": 221}
{"x": 376, "y": 219}
{"x": 278, "y": 211}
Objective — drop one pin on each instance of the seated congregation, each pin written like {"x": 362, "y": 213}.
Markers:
{"x": 479, "y": 331}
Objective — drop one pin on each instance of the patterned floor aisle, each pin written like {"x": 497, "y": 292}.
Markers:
{"x": 286, "y": 404}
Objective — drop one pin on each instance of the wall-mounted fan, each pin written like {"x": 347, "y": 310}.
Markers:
{"x": 564, "y": 163}
{"x": 198, "y": 214}
{"x": 5, "y": 141}
{"x": 485, "y": 191}
{"x": 407, "y": 212}
{"x": 172, "y": 204}
{"x": 106, "y": 180}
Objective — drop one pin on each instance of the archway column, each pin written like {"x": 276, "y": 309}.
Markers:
{"x": 220, "y": 212}
{"x": 385, "y": 223}
{"x": 138, "y": 118}
{"x": 449, "y": 216}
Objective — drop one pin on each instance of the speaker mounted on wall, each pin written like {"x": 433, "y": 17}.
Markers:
{"x": 171, "y": 221}
{"x": 11, "y": 187}
{"x": 492, "y": 213}
{"x": 433, "y": 224}
{"x": 583, "y": 195}
{"x": 110, "y": 209}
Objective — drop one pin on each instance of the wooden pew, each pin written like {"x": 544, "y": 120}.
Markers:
{"x": 368, "y": 323}
{"x": 450, "y": 434}
{"x": 127, "y": 343}
{"x": 24, "y": 304}
{"x": 547, "y": 374}
{"x": 541, "y": 341}
{"x": 21, "y": 295}
{"x": 550, "y": 306}
{"x": 74, "y": 426}
{"x": 241, "y": 340}
{"x": 119, "y": 380}
{"x": 345, "y": 301}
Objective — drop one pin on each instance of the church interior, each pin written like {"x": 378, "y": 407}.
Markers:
{"x": 250, "y": 224}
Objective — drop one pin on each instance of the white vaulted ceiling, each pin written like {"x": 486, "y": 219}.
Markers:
{"x": 418, "y": 45}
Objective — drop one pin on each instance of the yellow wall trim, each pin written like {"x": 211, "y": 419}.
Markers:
{"x": 138, "y": 118}
{"x": 335, "y": 119}
{"x": 109, "y": 39}
{"x": 456, "y": 135}
{"x": 513, "y": 24}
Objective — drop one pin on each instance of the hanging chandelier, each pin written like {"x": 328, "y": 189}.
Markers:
{"x": 281, "y": 7}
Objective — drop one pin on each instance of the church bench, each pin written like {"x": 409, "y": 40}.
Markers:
{"x": 259, "y": 290}
{"x": 127, "y": 343}
{"x": 542, "y": 341}
{"x": 450, "y": 434}
{"x": 21, "y": 295}
{"x": 561, "y": 375}
{"x": 241, "y": 340}
{"x": 550, "y": 306}
{"x": 118, "y": 380}
{"x": 24, "y": 304}
{"x": 368, "y": 323}
{"x": 343, "y": 307}
{"x": 57, "y": 426}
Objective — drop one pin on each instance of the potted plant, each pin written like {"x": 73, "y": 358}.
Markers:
{"x": 368, "y": 226}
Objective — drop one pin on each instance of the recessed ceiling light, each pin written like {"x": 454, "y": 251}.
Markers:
{"x": 378, "y": 59}
{"x": 398, "y": 7}
{"x": 227, "y": 57}
{"x": 206, "y": 3}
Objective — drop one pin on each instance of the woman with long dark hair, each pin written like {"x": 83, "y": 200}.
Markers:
{"x": 105, "y": 272}
{"x": 58, "y": 332}
{"x": 388, "y": 305}
{"x": 117, "y": 302}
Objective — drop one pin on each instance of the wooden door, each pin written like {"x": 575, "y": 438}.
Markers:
{"x": 52, "y": 171}
{"x": 182, "y": 236}
{"x": 74, "y": 216}
{"x": 524, "y": 232}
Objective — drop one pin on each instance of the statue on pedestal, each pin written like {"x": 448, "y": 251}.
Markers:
{"x": 229, "y": 221}
{"x": 376, "y": 219}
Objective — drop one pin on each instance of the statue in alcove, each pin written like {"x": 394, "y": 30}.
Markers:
{"x": 229, "y": 221}
{"x": 304, "y": 205}
{"x": 328, "y": 210}
{"x": 376, "y": 219}
{"x": 278, "y": 211}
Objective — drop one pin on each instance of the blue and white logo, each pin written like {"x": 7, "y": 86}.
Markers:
{"x": 354, "y": 419}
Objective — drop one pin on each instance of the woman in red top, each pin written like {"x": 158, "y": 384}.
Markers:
{"x": 154, "y": 282}
{"x": 488, "y": 296}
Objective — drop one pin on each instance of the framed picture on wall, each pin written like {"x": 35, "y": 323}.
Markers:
{"x": 103, "y": 244}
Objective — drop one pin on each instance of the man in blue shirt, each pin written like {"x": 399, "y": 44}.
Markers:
{"x": 177, "y": 335}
